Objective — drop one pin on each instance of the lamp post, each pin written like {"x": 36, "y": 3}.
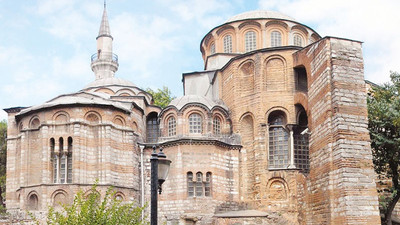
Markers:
{"x": 159, "y": 172}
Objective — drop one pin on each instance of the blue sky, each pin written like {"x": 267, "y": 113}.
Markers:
{"x": 45, "y": 45}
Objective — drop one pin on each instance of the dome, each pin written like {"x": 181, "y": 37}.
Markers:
{"x": 260, "y": 14}
{"x": 109, "y": 82}
{"x": 179, "y": 103}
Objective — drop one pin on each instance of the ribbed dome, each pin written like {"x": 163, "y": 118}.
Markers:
{"x": 260, "y": 14}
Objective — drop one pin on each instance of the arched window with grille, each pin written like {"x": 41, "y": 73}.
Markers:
{"x": 61, "y": 161}
{"x": 276, "y": 39}
{"x": 199, "y": 184}
{"x": 278, "y": 154}
{"x": 171, "y": 126}
{"x": 212, "y": 49}
{"x": 297, "y": 40}
{"x": 250, "y": 41}
{"x": 228, "y": 44}
{"x": 207, "y": 185}
{"x": 195, "y": 124}
{"x": 301, "y": 141}
{"x": 217, "y": 125}
{"x": 190, "y": 184}
{"x": 152, "y": 128}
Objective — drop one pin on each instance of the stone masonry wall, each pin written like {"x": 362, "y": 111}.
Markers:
{"x": 341, "y": 184}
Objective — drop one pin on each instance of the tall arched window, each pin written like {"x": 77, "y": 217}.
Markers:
{"x": 212, "y": 49}
{"x": 195, "y": 124}
{"x": 278, "y": 157}
{"x": 207, "y": 185}
{"x": 297, "y": 40}
{"x": 276, "y": 39}
{"x": 152, "y": 128}
{"x": 250, "y": 41}
{"x": 190, "y": 184}
{"x": 228, "y": 44}
{"x": 301, "y": 143}
{"x": 217, "y": 125}
{"x": 61, "y": 161}
{"x": 199, "y": 184}
{"x": 171, "y": 126}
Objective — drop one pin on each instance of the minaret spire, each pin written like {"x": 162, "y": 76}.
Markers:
{"x": 104, "y": 62}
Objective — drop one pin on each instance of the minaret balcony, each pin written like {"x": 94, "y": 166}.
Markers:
{"x": 104, "y": 56}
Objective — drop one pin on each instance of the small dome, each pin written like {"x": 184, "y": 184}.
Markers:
{"x": 260, "y": 14}
{"x": 179, "y": 103}
{"x": 109, "y": 82}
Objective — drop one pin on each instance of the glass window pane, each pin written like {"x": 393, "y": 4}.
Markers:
{"x": 228, "y": 44}
{"x": 276, "y": 39}
{"x": 250, "y": 41}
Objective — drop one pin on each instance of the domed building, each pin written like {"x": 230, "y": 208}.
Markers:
{"x": 273, "y": 131}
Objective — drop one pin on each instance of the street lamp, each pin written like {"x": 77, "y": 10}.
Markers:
{"x": 159, "y": 172}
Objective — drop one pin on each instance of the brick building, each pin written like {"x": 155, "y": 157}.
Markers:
{"x": 273, "y": 131}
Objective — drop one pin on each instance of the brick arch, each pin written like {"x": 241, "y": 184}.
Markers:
{"x": 93, "y": 117}
{"x": 242, "y": 39}
{"x": 225, "y": 28}
{"x": 283, "y": 31}
{"x": 277, "y": 189}
{"x": 59, "y": 197}
{"x": 275, "y": 74}
{"x": 165, "y": 122}
{"x": 125, "y": 92}
{"x": 278, "y": 108}
{"x": 203, "y": 114}
{"x": 105, "y": 90}
{"x": 34, "y": 122}
{"x": 247, "y": 77}
{"x": 119, "y": 120}
{"x": 32, "y": 201}
{"x": 61, "y": 117}
{"x": 249, "y": 23}
{"x": 302, "y": 99}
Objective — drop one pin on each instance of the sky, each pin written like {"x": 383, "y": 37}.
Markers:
{"x": 45, "y": 45}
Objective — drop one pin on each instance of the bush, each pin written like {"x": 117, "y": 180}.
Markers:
{"x": 90, "y": 210}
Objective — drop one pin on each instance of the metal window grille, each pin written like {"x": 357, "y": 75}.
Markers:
{"x": 250, "y": 41}
{"x": 190, "y": 184}
{"x": 152, "y": 130}
{"x": 199, "y": 184}
{"x": 297, "y": 40}
{"x": 207, "y": 185}
{"x": 212, "y": 49}
{"x": 301, "y": 151}
{"x": 276, "y": 39}
{"x": 228, "y": 44}
{"x": 195, "y": 125}
{"x": 171, "y": 126}
{"x": 217, "y": 125}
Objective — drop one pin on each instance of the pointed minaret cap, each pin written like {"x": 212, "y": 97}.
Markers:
{"x": 104, "y": 30}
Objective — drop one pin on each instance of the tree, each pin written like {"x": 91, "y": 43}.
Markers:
{"x": 162, "y": 97}
{"x": 3, "y": 155}
{"x": 384, "y": 127}
{"x": 90, "y": 210}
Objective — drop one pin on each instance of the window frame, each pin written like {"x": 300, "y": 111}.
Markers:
{"x": 227, "y": 44}
{"x": 195, "y": 125}
{"x": 250, "y": 42}
{"x": 278, "y": 142}
{"x": 275, "y": 39}
{"x": 171, "y": 126}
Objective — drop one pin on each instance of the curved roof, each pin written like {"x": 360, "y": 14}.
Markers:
{"x": 259, "y": 14}
{"x": 180, "y": 102}
{"x": 109, "y": 81}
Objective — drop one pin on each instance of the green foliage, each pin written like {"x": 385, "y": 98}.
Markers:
{"x": 384, "y": 127}
{"x": 3, "y": 156}
{"x": 162, "y": 97}
{"x": 90, "y": 210}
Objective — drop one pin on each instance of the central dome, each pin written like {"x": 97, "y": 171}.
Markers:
{"x": 259, "y": 14}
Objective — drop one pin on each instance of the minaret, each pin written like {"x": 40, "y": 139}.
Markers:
{"x": 104, "y": 62}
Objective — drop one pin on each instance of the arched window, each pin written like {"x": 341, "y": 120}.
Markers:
{"x": 207, "y": 185}
{"x": 301, "y": 143}
{"x": 212, "y": 49}
{"x": 276, "y": 39}
{"x": 250, "y": 41}
{"x": 171, "y": 126}
{"x": 228, "y": 44}
{"x": 33, "y": 202}
{"x": 152, "y": 128}
{"x": 199, "y": 184}
{"x": 297, "y": 40}
{"x": 195, "y": 123}
{"x": 217, "y": 125}
{"x": 190, "y": 184}
{"x": 61, "y": 161}
{"x": 278, "y": 157}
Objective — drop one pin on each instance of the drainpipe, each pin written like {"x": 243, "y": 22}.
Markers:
{"x": 141, "y": 146}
